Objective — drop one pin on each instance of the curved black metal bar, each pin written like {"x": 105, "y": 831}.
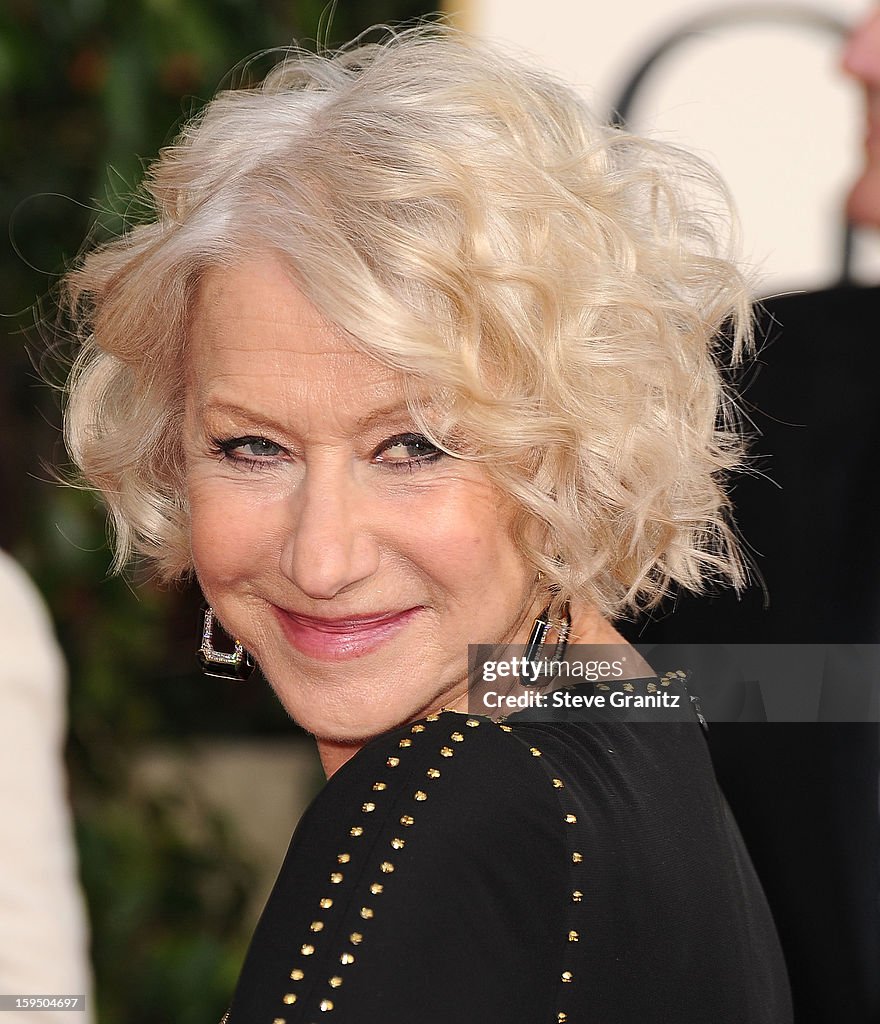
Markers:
{"x": 724, "y": 17}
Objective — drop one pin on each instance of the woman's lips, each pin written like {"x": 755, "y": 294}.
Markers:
{"x": 338, "y": 639}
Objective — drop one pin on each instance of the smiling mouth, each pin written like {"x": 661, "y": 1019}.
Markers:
{"x": 339, "y": 639}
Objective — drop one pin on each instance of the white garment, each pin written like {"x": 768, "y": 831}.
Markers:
{"x": 43, "y": 934}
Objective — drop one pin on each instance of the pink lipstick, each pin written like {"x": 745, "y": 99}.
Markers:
{"x": 352, "y": 636}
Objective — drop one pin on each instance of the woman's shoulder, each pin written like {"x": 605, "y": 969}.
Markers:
{"x": 447, "y": 771}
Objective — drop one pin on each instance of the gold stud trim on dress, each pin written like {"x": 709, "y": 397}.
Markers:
{"x": 534, "y": 752}
{"x": 577, "y": 858}
{"x": 573, "y": 936}
{"x": 279, "y": 1020}
{"x": 558, "y": 784}
{"x": 577, "y": 896}
{"x": 561, "y": 1018}
{"x": 472, "y": 722}
{"x": 567, "y": 976}
{"x": 386, "y": 867}
{"x": 570, "y": 819}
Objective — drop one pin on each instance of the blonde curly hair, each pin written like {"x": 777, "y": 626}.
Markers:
{"x": 467, "y": 221}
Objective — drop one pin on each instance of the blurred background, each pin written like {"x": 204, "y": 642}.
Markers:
{"x": 185, "y": 790}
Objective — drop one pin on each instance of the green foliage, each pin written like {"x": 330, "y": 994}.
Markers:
{"x": 89, "y": 92}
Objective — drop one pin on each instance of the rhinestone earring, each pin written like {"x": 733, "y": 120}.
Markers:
{"x": 236, "y": 664}
{"x": 540, "y": 629}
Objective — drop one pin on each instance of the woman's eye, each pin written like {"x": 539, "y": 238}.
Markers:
{"x": 408, "y": 449}
{"x": 247, "y": 448}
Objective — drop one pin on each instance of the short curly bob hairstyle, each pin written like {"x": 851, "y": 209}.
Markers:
{"x": 567, "y": 287}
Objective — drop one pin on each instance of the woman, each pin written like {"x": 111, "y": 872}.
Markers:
{"x": 415, "y": 354}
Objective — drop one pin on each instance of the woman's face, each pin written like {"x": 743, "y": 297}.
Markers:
{"x": 352, "y": 558}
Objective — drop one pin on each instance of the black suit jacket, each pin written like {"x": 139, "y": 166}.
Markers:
{"x": 806, "y": 795}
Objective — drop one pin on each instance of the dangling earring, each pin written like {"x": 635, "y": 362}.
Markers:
{"x": 541, "y": 628}
{"x": 237, "y": 664}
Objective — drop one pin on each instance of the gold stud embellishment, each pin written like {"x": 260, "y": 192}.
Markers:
{"x": 576, "y": 857}
{"x": 573, "y": 936}
{"x": 290, "y": 998}
{"x": 326, "y": 1005}
{"x": 420, "y": 795}
{"x": 534, "y": 752}
{"x": 405, "y": 742}
{"x": 347, "y": 958}
{"x": 343, "y": 858}
{"x": 279, "y": 1020}
{"x": 379, "y": 786}
{"x": 366, "y": 913}
{"x": 651, "y": 687}
{"x": 433, "y": 773}
{"x": 336, "y": 877}
{"x": 431, "y": 718}
{"x": 386, "y": 867}
{"x": 570, "y": 819}
{"x": 355, "y": 938}
{"x": 393, "y": 762}
{"x": 417, "y": 728}
{"x": 356, "y": 831}
{"x": 316, "y": 926}
{"x": 567, "y": 976}
{"x": 577, "y": 896}
{"x": 472, "y": 722}
{"x": 296, "y": 974}
{"x": 506, "y": 728}
{"x": 368, "y": 807}
{"x": 326, "y": 903}
{"x": 407, "y": 820}
{"x": 457, "y": 737}
{"x": 335, "y": 981}
{"x": 376, "y": 888}
{"x": 397, "y": 844}
{"x": 561, "y": 1017}
{"x": 446, "y": 751}
{"x": 558, "y": 784}
{"x": 306, "y": 949}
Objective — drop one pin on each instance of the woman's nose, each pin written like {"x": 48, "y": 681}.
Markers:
{"x": 330, "y": 545}
{"x": 861, "y": 55}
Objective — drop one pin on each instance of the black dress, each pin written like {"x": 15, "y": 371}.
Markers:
{"x": 458, "y": 870}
